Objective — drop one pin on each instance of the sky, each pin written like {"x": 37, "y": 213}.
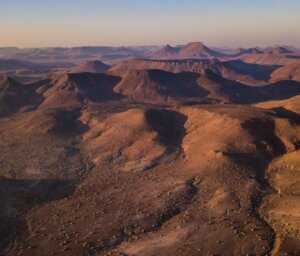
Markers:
{"x": 228, "y": 23}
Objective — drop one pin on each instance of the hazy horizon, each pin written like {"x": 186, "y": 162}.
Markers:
{"x": 157, "y": 45}
{"x": 230, "y": 23}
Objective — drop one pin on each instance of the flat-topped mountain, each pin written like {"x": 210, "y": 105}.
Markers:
{"x": 160, "y": 87}
{"x": 237, "y": 70}
{"x": 92, "y": 66}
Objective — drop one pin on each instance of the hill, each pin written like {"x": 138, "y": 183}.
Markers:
{"x": 198, "y": 50}
{"x": 287, "y": 72}
{"x": 14, "y": 96}
{"x": 92, "y": 66}
{"x": 72, "y": 91}
{"x": 160, "y": 87}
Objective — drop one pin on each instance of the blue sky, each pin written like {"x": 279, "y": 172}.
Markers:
{"x": 32, "y": 23}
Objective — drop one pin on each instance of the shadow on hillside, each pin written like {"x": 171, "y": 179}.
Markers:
{"x": 293, "y": 57}
{"x": 265, "y": 139}
{"x": 258, "y": 71}
{"x": 169, "y": 125}
{"x": 284, "y": 113}
{"x": 95, "y": 87}
{"x": 281, "y": 90}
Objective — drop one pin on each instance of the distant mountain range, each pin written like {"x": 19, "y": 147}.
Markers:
{"x": 199, "y": 50}
{"x": 195, "y": 50}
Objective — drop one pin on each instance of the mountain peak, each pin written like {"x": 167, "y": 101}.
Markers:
{"x": 198, "y": 49}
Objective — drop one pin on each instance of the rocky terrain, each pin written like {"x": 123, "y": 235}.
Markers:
{"x": 149, "y": 157}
